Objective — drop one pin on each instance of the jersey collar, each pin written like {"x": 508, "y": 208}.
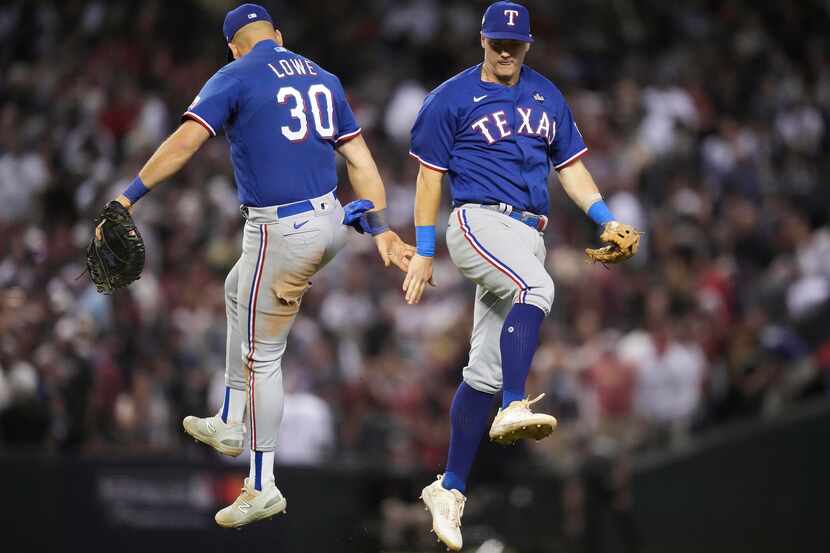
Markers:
{"x": 266, "y": 44}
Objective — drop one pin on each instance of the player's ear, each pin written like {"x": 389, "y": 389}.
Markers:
{"x": 482, "y": 41}
{"x": 234, "y": 50}
{"x": 278, "y": 37}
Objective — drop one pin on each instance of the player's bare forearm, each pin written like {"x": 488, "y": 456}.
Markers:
{"x": 367, "y": 184}
{"x": 620, "y": 240}
{"x": 427, "y": 196}
{"x": 363, "y": 173}
{"x": 172, "y": 155}
{"x": 427, "y": 203}
{"x": 579, "y": 184}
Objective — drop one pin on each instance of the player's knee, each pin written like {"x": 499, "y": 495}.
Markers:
{"x": 541, "y": 295}
{"x": 486, "y": 381}
{"x": 231, "y": 283}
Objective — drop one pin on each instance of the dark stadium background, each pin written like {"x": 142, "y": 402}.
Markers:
{"x": 691, "y": 384}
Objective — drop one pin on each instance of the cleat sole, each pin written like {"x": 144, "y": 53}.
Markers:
{"x": 512, "y": 435}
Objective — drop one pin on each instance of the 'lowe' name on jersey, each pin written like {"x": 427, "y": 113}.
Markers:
{"x": 497, "y": 142}
{"x": 284, "y": 115}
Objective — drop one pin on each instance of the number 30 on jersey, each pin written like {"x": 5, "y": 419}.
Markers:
{"x": 317, "y": 94}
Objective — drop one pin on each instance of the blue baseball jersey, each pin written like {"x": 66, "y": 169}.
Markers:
{"x": 284, "y": 116}
{"x": 497, "y": 143}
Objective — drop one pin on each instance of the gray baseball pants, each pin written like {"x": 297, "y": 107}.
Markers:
{"x": 263, "y": 293}
{"x": 506, "y": 260}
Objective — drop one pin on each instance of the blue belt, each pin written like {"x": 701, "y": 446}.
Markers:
{"x": 288, "y": 210}
{"x": 538, "y": 222}
{"x": 294, "y": 209}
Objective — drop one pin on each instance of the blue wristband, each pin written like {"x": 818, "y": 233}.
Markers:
{"x": 600, "y": 213}
{"x": 425, "y": 240}
{"x": 136, "y": 190}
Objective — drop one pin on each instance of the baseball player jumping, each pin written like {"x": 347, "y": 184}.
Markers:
{"x": 285, "y": 117}
{"x": 496, "y": 129}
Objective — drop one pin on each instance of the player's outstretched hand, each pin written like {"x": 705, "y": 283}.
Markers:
{"x": 394, "y": 250}
{"x": 417, "y": 277}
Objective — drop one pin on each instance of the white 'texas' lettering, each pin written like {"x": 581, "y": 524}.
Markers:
{"x": 524, "y": 113}
{"x": 544, "y": 126}
{"x": 529, "y": 123}
{"x": 501, "y": 123}
{"x": 481, "y": 126}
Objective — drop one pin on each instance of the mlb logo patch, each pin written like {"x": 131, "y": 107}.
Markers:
{"x": 538, "y": 97}
{"x": 251, "y": 16}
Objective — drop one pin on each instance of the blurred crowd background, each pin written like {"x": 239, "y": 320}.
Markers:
{"x": 708, "y": 125}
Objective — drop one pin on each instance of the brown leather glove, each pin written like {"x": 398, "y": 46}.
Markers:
{"x": 621, "y": 242}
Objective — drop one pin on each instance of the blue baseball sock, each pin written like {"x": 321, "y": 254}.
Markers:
{"x": 519, "y": 339}
{"x": 470, "y": 416}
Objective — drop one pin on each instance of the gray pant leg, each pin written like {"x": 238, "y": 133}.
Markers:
{"x": 277, "y": 262}
{"x": 235, "y": 374}
{"x": 484, "y": 369}
{"x": 505, "y": 258}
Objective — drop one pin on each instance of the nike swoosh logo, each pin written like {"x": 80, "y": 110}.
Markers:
{"x": 298, "y": 225}
{"x": 477, "y": 99}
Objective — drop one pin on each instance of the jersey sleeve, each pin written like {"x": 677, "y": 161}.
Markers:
{"x": 347, "y": 127}
{"x": 568, "y": 144}
{"x": 433, "y": 133}
{"x": 215, "y": 103}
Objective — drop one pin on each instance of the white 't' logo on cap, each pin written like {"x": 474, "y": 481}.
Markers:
{"x": 510, "y": 15}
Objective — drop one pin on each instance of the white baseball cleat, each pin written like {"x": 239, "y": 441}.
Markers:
{"x": 517, "y": 421}
{"x": 252, "y": 505}
{"x": 226, "y": 438}
{"x": 446, "y": 508}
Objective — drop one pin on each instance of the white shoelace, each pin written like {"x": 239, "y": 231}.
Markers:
{"x": 525, "y": 404}
{"x": 528, "y": 402}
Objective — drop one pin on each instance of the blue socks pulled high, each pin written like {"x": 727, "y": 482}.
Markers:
{"x": 470, "y": 418}
{"x": 519, "y": 339}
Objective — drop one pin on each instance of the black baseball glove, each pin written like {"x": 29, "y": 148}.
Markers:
{"x": 115, "y": 256}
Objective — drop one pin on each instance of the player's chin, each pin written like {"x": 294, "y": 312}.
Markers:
{"x": 505, "y": 69}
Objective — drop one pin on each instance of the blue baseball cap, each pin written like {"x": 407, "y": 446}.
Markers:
{"x": 241, "y": 16}
{"x": 506, "y": 21}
